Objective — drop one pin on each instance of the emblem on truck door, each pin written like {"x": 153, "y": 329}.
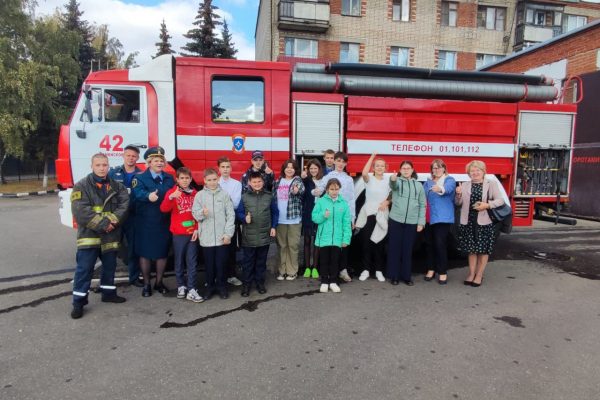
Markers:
{"x": 238, "y": 141}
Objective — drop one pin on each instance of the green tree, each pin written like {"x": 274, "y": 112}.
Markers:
{"x": 203, "y": 41}
{"x": 109, "y": 50}
{"x": 164, "y": 46}
{"x": 58, "y": 49}
{"x": 72, "y": 21}
{"x": 226, "y": 46}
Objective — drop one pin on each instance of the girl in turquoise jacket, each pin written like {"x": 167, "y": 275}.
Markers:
{"x": 334, "y": 219}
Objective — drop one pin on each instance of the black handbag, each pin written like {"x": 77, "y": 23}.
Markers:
{"x": 501, "y": 217}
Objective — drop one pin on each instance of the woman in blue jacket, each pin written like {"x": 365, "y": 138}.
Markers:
{"x": 439, "y": 190}
{"x": 152, "y": 235}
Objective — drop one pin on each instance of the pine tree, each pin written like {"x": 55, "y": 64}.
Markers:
{"x": 226, "y": 46}
{"x": 72, "y": 21}
{"x": 164, "y": 46}
{"x": 203, "y": 41}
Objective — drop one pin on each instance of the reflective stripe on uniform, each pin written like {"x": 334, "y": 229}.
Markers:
{"x": 80, "y": 294}
{"x": 88, "y": 242}
{"x": 95, "y": 221}
{"x": 97, "y": 209}
{"x": 107, "y": 287}
{"x": 109, "y": 246}
{"x": 111, "y": 217}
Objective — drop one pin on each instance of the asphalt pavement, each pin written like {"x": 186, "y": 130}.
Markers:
{"x": 529, "y": 332}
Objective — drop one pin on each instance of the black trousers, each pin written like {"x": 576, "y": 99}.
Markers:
{"x": 329, "y": 263}
{"x": 401, "y": 240}
{"x": 373, "y": 254}
{"x": 215, "y": 258}
{"x": 436, "y": 242}
{"x": 255, "y": 264}
{"x": 233, "y": 247}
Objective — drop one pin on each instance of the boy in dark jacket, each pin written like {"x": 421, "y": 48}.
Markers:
{"x": 258, "y": 214}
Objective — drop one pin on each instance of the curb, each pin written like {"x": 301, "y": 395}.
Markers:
{"x": 25, "y": 194}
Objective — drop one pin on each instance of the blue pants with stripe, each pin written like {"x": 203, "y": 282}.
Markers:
{"x": 86, "y": 259}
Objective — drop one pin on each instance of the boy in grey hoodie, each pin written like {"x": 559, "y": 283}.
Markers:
{"x": 213, "y": 209}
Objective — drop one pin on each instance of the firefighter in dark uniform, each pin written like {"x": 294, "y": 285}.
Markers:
{"x": 152, "y": 235}
{"x": 124, "y": 174}
{"x": 99, "y": 205}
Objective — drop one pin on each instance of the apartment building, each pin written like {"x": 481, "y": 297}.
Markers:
{"x": 461, "y": 34}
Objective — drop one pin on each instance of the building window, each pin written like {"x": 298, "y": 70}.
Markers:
{"x": 238, "y": 100}
{"x": 351, "y": 7}
{"x": 485, "y": 59}
{"x": 401, "y": 10}
{"x": 305, "y": 48}
{"x": 449, "y": 13}
{"x": 349, "y": 52}
{"x": 571, "y": 22}
{"x": 491, "y": 18}
{"x": 447, "y": 60}
{"x": 399, "y": 56}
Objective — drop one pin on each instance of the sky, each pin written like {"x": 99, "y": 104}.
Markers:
{"x": 136, "y": 23}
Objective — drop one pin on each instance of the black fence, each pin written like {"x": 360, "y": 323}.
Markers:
{"x": 15, "y": 170}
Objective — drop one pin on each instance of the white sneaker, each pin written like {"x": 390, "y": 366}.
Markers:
{"x": 193, "y": 295}
{"x": 379, "y": 276}
{"x": 234, "y": 281}
{"x": 181, "y": 292}
{"x": 334, "y": 288}
{"x": 291, "y": 277}
{"x": 344, "y": 275}
{"x": 324, "y": 288}
{"x": 364, "y": 276}
{"x": 280, "y": 277}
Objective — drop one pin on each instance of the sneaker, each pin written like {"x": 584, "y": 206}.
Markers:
{"x": 314, "y": 274}
{"x": 324, "y": 288}
{"x": 306, "y": 273}
{"x": 193, "y": 295}
{"x": 344, "y": 275}
{"x": 280, "y": 277}
{"x": 363, "y": 276}
{"x": 379, "y": 276}
{"x": 334, "y": 288}
{"x": 234, "y": 281}
{"x": 291, "y": 277}
{"x": 181, "y": 292}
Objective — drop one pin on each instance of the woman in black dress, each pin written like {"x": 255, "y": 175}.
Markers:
{"x": 476, "y": 231}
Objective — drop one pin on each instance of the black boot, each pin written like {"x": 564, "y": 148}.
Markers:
{"x": 245, "y": 290}
{"x": 77, "y": 311}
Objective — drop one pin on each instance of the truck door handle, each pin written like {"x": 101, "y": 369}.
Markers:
{"x": 81, "y": 133}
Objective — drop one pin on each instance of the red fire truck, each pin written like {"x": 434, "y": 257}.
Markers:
{"x": 200, "y": 109}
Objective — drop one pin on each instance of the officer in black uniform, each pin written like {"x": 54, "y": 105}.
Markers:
{"x": 152, "y": 235}
{"x": 99, "y": 205}
{"x": 124, "y": 174}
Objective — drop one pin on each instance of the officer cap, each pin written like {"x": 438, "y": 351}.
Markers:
{"x": 256, "y": 154}
{"x": 156, "y": 151}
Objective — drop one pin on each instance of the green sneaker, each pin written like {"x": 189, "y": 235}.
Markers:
{"x": 307, "y": 273}
{"x": 315, "y": 273}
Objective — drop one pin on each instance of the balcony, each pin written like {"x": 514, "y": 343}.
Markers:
{"x": 304, "y": 15}
{"x": 527, "y": 34}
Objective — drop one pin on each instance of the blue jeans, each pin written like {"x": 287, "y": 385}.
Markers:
{"x": 254, "y": 264}
{"x": 186, "y": 255}
{"x": 133, "y": 262}
{"x": 86, "y": 259}
{"x": 215, "y": 259}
